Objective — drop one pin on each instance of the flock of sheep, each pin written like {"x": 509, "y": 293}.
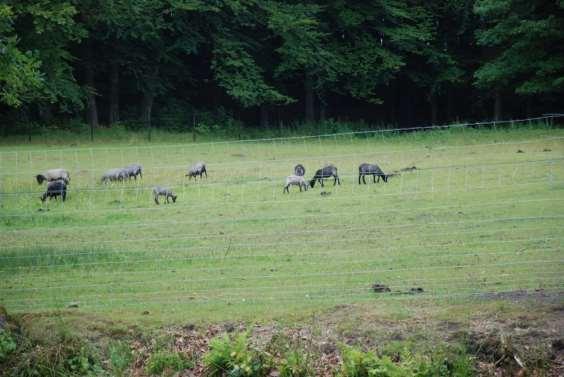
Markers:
{"x": 59, "y": 179}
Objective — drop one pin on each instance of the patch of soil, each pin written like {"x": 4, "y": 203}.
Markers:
{"x": 522, "y": 295}
{"x": 380, "y": 288}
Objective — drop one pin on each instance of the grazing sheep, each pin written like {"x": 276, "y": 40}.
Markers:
{"x": 198, "y": 168}
{"x": 115, "y": 175}
{"x": 295, "y": 180}
{"x": 134, "y": 170}
{"x": 163, "y": 191}
{"x": 54, "y": 189}
{"x": 324, "y": 173}
{"x": 299, "y": 170}
{"x": 373, "y": 170}
{"x": 53, "y": 175}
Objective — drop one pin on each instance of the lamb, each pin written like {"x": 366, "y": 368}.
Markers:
{"x": 198, "y": 168}
{"x": 299, "y": 170}
{"x": 324, "y": 173}
{"x": 134, "y": 170}
{"x": 295, "y": 180}
{"x": 53, "y": 175}
{"x": 163, "y": 191}
{"x": 373, "y": 170}
{"x": 112, "y": 175}
{"x": 54, "y": 189}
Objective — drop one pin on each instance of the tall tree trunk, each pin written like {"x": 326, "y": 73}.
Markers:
{"x": 147, "y": 108}
{"x": 309, "y": 99}
{"x": 450, "y": 104}
{"x": 529, "y": 106}
{"x": 264, "y": 116}
{"x": 91, "y": 108}
{"x": 322, "y": 110}
{"x": 498, "y": 106}
{"x": 434, "y": 108}
{"x": 113, "y": 116}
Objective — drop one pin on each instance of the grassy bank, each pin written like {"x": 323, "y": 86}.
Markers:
{"x": 481, "y": 212}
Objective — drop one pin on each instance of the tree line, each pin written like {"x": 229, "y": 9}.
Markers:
{"x": 274, "y": 62}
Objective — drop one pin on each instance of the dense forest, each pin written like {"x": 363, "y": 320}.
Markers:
{"x": 277, "y": 63}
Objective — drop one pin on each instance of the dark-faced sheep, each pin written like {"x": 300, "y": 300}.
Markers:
{"x": 373, "y": 170}
{"x": 53, "y": 175}
{"x": 134, "y": 170}
{"x": 197, "y": 169}
{"x": 55, "y": 189}
{"x": 299, "y": 170}
{"x": 295, "y": 180}
{"x": 324, "y": 173}
{"x": 163, "y": 191}
{"x": 113, "y": 175}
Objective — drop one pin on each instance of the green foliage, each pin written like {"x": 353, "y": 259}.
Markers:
{"x": 233, "y": 357}
{"x": 66, "y": 359}
{"x": 120, "y": 357}
{"x": 167, "y": 362}
{"x": 20, "y": 77}
{"x": 7, "y": 344}
{"x": 236, "y": 71}
{"x": 404, "y": 363}
{"x": 50, "y": 32}
{"x": 523, "y": 38}
{"x": 296, "y": 363}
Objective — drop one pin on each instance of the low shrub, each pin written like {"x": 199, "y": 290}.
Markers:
{"x": 120, "y": 357}
{"x": 7, "y": 345}
{"x": 167, "y": 363}
{"x": 233, "y": 357}
{"x": 442, "y": 363}
{"x": 296, "y": 364}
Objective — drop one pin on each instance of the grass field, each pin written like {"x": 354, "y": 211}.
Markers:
{"x": 483, "y": 212}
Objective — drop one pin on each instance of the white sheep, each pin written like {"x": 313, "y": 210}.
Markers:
{"x": 295, "y": 180}
{"x": 53, "y": 175}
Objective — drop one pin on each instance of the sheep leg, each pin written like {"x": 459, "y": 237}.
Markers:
{"x": 363, "y": 179}
{"x": 286, "y": 189}
{"x": 374, "y": 178}
{"x": 205, "y": 172}
{"x": 321, "y": 180}
{"x": 337, "y": 180}
{"x": 156, "y": 199}
{"x": 64, "y": 195}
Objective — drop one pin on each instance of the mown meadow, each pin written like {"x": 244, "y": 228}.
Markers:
{"x": 467, "y": 215}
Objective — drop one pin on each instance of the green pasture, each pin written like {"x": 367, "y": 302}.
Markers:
{"x": 482, "y": 212}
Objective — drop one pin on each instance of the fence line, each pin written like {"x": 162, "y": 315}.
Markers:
{"x": 123, "y": 284}
{"x": 269, "y": 244}
{"x": 348, "y": 252}
{"x": 484, "y": 295}
{"x": 246, "y": 277}
{"x": 191, "y": 297}
{"x": 323, "y": 157}
{"x": 351, "y": 133}
{"x": 113, "y": 187}
{"x": 200, "y": 236}
{"x": 377, "y": 212}
{"x": 416, "y": 191}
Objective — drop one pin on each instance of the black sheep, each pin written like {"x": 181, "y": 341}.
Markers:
{"x": 373, "y": 170}
{"x": 324, "y": 173}
{"x": 54, "y": 189}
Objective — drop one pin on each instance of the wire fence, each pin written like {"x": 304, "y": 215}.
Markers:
{"x": 461, "y": 217}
